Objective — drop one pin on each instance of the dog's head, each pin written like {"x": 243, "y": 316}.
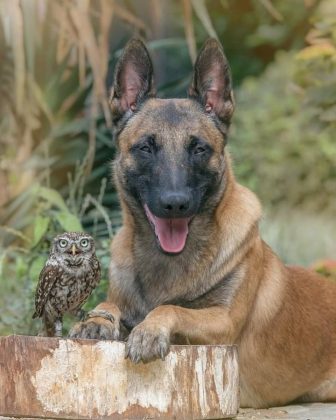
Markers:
{"x": 170, "y": 165}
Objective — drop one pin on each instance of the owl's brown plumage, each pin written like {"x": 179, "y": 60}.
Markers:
{"x": 70, "y": 274}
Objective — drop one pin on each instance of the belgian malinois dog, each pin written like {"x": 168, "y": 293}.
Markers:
{"x": 188, "y": 264}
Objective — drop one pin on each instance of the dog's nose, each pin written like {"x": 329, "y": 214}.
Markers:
{"x": 175, "y": 204}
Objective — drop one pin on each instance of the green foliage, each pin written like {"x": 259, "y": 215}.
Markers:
{"x": 253, "y": 31}
{"x": 316, "y": 75}
{"x": 281, "y": 150}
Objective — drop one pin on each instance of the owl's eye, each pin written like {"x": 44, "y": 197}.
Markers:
{"x": 63, "y": 243}
{"x": 84, "y": 243}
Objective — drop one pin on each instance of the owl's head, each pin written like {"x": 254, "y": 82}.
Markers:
{"x": 73, "y": 247}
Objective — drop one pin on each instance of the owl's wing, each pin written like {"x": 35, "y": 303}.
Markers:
{"x": 48, "y": 276}
{"x": 96, "y": 271}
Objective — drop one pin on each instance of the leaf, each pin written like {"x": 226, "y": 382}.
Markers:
{"x": 17, "y": 39}
{"x": 130, "y": 18}
{"x": 20, "y": 266}
{"x": 71, "y": 128}
{"x": 30, "y": 33}
{"x": 52, "y": 196}
{"x": 272, "y": 10}
{"x": 40, "y": 98}
{"x": 40, "y": 227}
{"x": 189, "y": 29}
{"x": 81, "y": 20}
{"x": 68, "y": 221}
{"x": 201, "y": 11}
{"x": 36, "y": 268}
{"x": 315, "y": 51}
{"x": 158, "y": 44}
{"x": 15, "y": 232}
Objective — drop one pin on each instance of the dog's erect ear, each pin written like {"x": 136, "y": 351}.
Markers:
{"x": 211, "y": 84}
{"x": 133, "y": 80}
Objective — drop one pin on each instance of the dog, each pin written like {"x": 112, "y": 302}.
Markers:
{"x": 188, "y": 264}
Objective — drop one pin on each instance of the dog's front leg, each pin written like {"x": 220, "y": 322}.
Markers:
{"x": 151, "y": 338}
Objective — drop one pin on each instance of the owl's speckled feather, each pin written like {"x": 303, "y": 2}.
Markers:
{"x": 70, "y": 274}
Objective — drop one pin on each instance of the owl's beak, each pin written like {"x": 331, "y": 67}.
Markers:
{"x": 73, "y": 250}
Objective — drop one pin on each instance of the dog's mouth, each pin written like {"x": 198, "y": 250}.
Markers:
{"x": 171, "y": 233}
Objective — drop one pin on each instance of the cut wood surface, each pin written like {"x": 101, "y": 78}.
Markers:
{"x": 85, "y": 379}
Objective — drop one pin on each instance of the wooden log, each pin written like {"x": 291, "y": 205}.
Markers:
{"x": 85, "y": 379}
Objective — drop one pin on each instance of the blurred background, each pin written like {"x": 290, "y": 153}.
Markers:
{"x": 56, "y": 66}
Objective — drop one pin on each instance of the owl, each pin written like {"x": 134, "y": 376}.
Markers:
{"x": 70, "y": 274}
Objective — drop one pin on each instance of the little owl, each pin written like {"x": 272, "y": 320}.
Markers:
{"x": 70, "y": 274}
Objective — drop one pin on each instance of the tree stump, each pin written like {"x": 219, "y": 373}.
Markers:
{"x": 85, "y": 379}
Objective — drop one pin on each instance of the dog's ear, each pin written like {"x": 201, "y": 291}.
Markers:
{"x": 211, "y": 84}
{"x": 133, "y": 80}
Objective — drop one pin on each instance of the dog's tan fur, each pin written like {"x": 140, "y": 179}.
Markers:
{"x": 282, "y": 318}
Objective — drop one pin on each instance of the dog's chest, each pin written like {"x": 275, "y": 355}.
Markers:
{"x": 146, "y": 292}
{"x": 195, "y": 293}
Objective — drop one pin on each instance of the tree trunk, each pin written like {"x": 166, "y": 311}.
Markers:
{"x": 85, "y": 379}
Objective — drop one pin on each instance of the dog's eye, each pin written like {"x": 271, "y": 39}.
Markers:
{"x": 198, "y": 146}
{"x": 198, "y": 150}
{"x": 145, "y": 148}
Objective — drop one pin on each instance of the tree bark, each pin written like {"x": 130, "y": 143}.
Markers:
{"x": 85, "y": 379}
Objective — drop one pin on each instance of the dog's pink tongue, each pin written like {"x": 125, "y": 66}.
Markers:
{"x": 172, "y": 233}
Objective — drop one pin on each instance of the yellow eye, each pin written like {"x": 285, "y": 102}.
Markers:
{"x": 84, "y": 243}
{"x": 63, "y": 243}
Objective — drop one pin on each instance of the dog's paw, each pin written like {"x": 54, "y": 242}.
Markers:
{"x": 147, "y": 342}
{"x": 96, "y": 328}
